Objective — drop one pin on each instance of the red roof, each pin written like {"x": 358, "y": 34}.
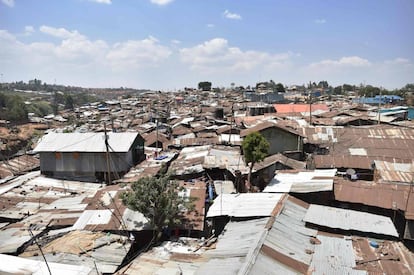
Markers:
{"x": 299, "y": 108}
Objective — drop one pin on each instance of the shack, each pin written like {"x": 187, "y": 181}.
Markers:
{"x": 89, "y": 156}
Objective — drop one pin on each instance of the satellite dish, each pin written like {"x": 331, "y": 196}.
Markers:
{"x": 350, "y": 172}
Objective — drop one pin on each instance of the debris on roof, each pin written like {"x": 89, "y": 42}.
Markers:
{"x": 95, "y": 250}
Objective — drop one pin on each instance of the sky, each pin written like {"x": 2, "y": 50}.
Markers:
{"x": 172, "y": 44}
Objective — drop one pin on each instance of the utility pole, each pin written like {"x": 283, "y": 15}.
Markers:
{"x": 108, "y": 165}
{"x": 231, "y": 121}
{"x": 310, "y": 107}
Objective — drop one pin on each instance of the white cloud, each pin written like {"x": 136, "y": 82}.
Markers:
{"x": 28, "y": 30}
{"x": 9, "y": 3}
{"x": 216, "y": 55}
{"x": 175, "y": 41}
{"x": 75, "y": 50}
{"x": 399, "y": 61}
{"x": 320, "y": 21}
{"x": 60, "y": 32}
{"x": 5, "y": 35}
{"x": 161, "y": 2}
{"x": 137, "y": 53}
{"x": 347, "y": 61}
{"x": 230, "y": 15}
{"x": 108, "y": 2}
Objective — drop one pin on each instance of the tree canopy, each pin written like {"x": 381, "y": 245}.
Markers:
{"x": 255, "y": 149}
{"x": 204, "y": 86}
{"x": 159, "y": 200}
{"x": 12, "y": 108}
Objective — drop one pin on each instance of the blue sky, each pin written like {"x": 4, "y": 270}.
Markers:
{"x": 172, "y": 44}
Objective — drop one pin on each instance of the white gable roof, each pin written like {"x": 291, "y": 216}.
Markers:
{"x": 85, "y": 142}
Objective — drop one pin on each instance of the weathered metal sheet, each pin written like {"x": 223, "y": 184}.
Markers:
{"x": 385, "y": 195}
{"x": 244, "y": 205}
{"x": 232, "y": 247}
{"x": 302, "y": 181}
{"x": 18, "y": 265}
{"x": 334, "y": 256}
{"x": 86, "y": 142}
{"x": 350, "y": 220}
{"x": 265, "y": 264}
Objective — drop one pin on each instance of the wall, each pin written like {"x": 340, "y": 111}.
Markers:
{"x": 84, "y": 162}
{"x": 281, "y": 141}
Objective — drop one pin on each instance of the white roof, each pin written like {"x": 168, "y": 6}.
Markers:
{"x": 350, "y": 220}
{"x": 85, "y": 142}
{"x": 19, "y": 265}
{"x": 93, "y": 217}
{"x": 302, "y": 182}
{"x": 244, "y": 205}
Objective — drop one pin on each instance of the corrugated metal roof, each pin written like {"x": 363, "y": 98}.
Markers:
{"x": 224, "y": 187}
{"x": 93, "y": 217}
{"x": 240, "y": 235}
{"x": 232, "y": 247}
{"x": 11, "y": 239}
{"x": 99, "y": 250}
{"x": 298, "y": 108}
{"x": 395, "y": 172}
{"x": 244, "y": 205}
{"x": 265, "y": 264}
{"x": 302, "y": 182}
{"x": 289, "y": 236}
{"x": 350, "y": 220}
{"x": 384, "y": 195}
{"x": 390, "y": 257}
{"x": 287, "y": 246}
{"x": 357, "y": 152}
{"x": 18, "y": 265}
{"x": 334, "y": 256}
{"x": 70, "y": 203}
{"x": 225, "y": 266}
{"x": 85, "y": 142}
{"x": 279, "y": 158}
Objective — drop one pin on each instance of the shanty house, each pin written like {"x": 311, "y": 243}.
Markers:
{"x": 86, "y": 156}
{"x": 281, "y": 138}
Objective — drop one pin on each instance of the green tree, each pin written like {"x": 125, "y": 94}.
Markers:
{"x": 255, "y": 149}
{"x": 204, "y": 86}
{"x": 69, "y": 102}
{"x": 323, "y": 84}
{"x": 159, "y": 201}
{"x": 280, "y": 88}
{"x": 337, "y": 90}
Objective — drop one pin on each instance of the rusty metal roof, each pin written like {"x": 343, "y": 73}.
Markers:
{"x": 395, "y": 172}
{"x": 18, "y": 165}
{"x": 384, "y": 195}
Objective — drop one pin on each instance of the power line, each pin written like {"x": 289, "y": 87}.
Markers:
{"x": 40, "y": 248}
